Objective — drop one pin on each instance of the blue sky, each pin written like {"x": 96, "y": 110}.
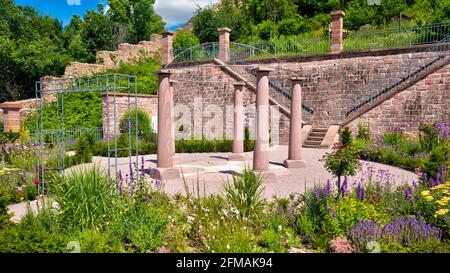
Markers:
{"x": 174, "y": 12}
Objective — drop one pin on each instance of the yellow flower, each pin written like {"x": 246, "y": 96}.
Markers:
{"x": 429, "y": 198}
{"x": 443, "y": 201}
{"x": 447, "y": 183}
{"x": 425, "y": 193}
{"x": 438, "y": 187}
{"x": 441, "y": 212}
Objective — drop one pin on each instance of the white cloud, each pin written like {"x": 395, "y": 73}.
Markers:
{"x": 73, "y": 2}
{"x": 175, "y": 12}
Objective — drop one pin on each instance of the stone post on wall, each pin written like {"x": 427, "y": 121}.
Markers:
{"x": 167, "y": 50}
{"x": 337, "y": 31}
{"x": 295, "y": 134}
{"x": 238, "y": 126}
{"x": 224, "y": 44}
{"x": 11, "y": 116}
{"x": 165, "y": 170}
{"x": 261, "y": 149}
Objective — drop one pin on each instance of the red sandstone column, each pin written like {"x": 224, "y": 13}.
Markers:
{"x": 238, "y": 127}
{"x": 295, "y": 134}
{"x": 171, "y": 92}
{"x": 224, "y": 44}
{"x": 337, "y": 31}
{"x": 261, "y": 150}
{"x": 167, "y": 50}
{"x": 11, "y": 116}
{"x": 164, "y": 168}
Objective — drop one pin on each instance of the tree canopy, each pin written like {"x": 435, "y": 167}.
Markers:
{"x": 252, "y": 20}
{"x": 33, "y": 45}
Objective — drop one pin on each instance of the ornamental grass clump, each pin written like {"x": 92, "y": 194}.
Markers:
{"x": 404, "y": 231}
{"x": 85, "y": 197}
{"x": 245, "y": 193}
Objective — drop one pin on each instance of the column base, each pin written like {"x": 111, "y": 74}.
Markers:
{"x": 267, "y": 176}
{"x": 165, "y": 173}
{"x": 236, "y": 157}
{"x": 295, "y": 164}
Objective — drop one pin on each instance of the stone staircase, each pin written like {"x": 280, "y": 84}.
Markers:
{"x": 315, "y": 138}
{"x": 278, "y": 96}
{"x": 376, "y": 95}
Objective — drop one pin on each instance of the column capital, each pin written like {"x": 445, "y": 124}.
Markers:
{"x": 337, "y": 13}
{"x": 264, "y": 69}
{"x": 167, "y": 33}
{"x": 224, "y": 30}
{"x": 298, "y": 79}
{"x": 163, "y": 72}
{"x": 11, "y": 105}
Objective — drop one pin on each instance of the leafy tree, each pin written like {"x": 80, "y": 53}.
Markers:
{"x": 185, "y": 39}
{"x": 343, "y": 160}
{"x": 137, "y": 17}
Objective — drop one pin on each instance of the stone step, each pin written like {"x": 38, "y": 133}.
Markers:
{"x": 315, "y": 134}
{"x": 319, "y": 130}
{"x": 313, "y": 142}
{"x": 315, "y": 138}
{"x": 311, "y": 146}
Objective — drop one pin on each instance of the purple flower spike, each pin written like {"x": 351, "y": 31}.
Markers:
{"x": 328, "y": 187}
{"x": 344, "y": 187}
{"x": 142, "y": 161}
{"x": 120, "y": 176}
{"x": 360, "y": 192}
{"x": 131, "y": 171}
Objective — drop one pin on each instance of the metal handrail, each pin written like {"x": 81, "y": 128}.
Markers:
{"x": 395, "y": 37}
{"x": 441, "y": 48}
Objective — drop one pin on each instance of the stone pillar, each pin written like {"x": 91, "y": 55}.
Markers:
{"x": 295, "y": 134}
{"x": 11, "y": 116}
{"x": 261, "y": 150}
{"x": 167, "y": 50}
{"x": 238, "y": 126}
{"x": 337, "y": 31}
{"x": 164, "y": 168}
{"x": 171, "y": 92}
{"x": 224, "y": 44}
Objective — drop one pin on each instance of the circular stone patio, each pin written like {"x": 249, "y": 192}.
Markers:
{"x": 211, "y": 170}
{"x": 205, "y": 174}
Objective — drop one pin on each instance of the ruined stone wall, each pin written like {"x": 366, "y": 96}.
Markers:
{"x": 147, "y": 103}
{"x": 125, "y": 53}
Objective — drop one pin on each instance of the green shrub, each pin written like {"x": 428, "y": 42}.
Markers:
{"x": 35, "y": 234}
{"x": 348, "y": 212}
{"x": 245, "y": 193}
{"x": 83, "y": 148}
{"x": 392, "y": 139}
{"x": 232, "y": 238}
{"x": 144, "y": 125}
{"x": 4, "y": 215}
{"x": 17, "y": 186}
{"x": 85, "y": 197}
{"x": 140, "y": 226}
{"x": 429, "y": 136}
{"x": 345, "y": 136}
{"x": 438, "y": 157}
{"x": 147, "y": 81}
{"x": 270, "y": 239}
{"x": 94, "y": 241}
{"x": 363, "y": 132}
